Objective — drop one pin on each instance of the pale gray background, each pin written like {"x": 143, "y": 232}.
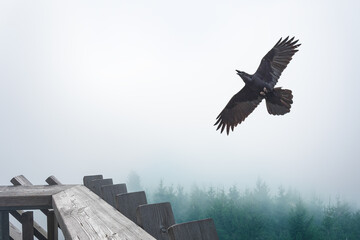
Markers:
{"x": 109, "y": 87}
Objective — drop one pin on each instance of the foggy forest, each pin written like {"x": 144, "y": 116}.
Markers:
{"x": 256, "y": 213}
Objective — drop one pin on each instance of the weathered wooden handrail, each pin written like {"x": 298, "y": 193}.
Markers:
{"x": 28, "y": 197}
{"x": 84, "y": 215}
{"x": 80, "y": 213}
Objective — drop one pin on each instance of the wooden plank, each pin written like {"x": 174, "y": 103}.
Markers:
{"x": 88, "y": 179}
{"x": 4, "y": 225}
{"x": 15, "y": 233}
{"x": 39, "y": 232}
{"x": 95, "y": 185}
{"x": 27, "y": 221}
{"x": 109, "y": 192}
{"x": 196, "y": 230}
{"x": 52, "y": 180}
{"x": 84, "y": 215}
{"x": 28, "y": 197}
{"x": 127, "y": 203}
{"x": 156, "y": 219}
{"x": 52, "y": 226}
{"x": 20, "y": 180}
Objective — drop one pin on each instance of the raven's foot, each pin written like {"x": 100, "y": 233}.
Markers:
{"x": 264, "y": 92}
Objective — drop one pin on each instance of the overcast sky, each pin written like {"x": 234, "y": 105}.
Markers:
{"x": 108, "y": 87}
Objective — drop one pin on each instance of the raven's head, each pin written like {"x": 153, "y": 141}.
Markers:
{"x": 246, "y": 77}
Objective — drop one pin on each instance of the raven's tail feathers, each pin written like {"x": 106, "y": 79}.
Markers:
{"x": 278, "y": 102}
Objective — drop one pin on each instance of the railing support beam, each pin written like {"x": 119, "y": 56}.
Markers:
{"x": 27, "y": 221}
{"x": 52, "y": 226}
{"x": 4, "y": 225}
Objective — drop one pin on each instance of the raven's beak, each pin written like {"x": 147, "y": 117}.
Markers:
{"x": 238, "y": 72}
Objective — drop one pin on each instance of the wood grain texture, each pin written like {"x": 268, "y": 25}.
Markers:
{"x": 84, "y": 215}
{"x": 15, "y": 233}
{"x": 4, "y": 225}
{"x": 196, "y": 230}
{"x": 156, "y": 219}
{"x": 109, "y": 192}
{"x": 127, "y": 203}
{"x": 88, "y": 179}
{"x": 28, "y": 197}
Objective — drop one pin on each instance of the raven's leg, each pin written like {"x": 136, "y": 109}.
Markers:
{"x": 264, "y": 91}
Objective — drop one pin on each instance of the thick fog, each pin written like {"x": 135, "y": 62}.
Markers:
{"x": 111, "y": 87}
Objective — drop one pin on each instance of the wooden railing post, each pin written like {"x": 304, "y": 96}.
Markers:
{"x": 202, "y": 229}
{"x": 156, "y": 219}
{"x": 87, "y": 179}
{"x": 127, "y": 203}
{"x": 27, "y": 222}
{"x": 4, "y": 225}
{"x": 109, "y": 192}
{"x": 95, "y": 185}
{"x": 52, "y": 226}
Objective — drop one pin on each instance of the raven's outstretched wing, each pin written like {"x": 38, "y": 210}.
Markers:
{"x": 238, "y": 108}
{"x": 276, "y": 60}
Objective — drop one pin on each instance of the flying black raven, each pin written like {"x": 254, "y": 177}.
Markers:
{"x": 261, "y": 85}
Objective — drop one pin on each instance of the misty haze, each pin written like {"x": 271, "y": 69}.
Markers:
{"x": 131, "y": 90}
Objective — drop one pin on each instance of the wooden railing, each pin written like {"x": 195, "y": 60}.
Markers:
{"x": 97, "y": 210}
